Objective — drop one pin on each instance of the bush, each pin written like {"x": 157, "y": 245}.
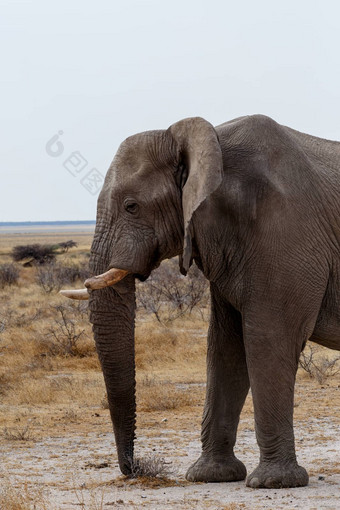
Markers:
{"x": 53, "y": 276}
{"x": 39, "y": 253}
{"x": 150, "y": 466}
{"x": 168, "y": 295}
{"x": 46, "y": 278}
{"x": 318, "y": 367}
{"x": 64, "y": 335}
{"x": 67, "y": 245}
{"x": 9, "y": 275}
{"x": 11, "y": 318}
{"x": 21, "y": 434}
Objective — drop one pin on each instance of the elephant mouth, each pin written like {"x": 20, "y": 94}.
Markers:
{"x": 101, "y": 281}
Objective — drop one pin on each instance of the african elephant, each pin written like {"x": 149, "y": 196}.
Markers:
{"x": 256, "y": 205}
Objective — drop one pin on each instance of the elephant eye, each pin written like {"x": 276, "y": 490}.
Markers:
{"x": 131, "y": 206}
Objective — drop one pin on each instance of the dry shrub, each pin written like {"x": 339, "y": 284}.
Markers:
{"x": 11, "y": 318}
{"x": 80, "y": 309}
{"x": 5, "y": 382}
{"x": 25, "y": 498}
{"x": 41, "y": 362}
{"x": 91, "y": 498}
{"x": 40, "y": 337}
{"x": 65, "y": 246}
{"x": 64, "y": 336}
{"x": 149, "y": 380}
{"x": 2, "y": 323}
{"x": 18, "y": 434}
{"x": 39, "y": 253}
{"x": 150, "y": 466}
{"x": 51, "y": 277}
{"x": 168, "y": 295}
{"x": 46, "y": 278}
{"x": 9, "y": 275}
{"x": 318, "y": 366}
{"x": 70, "y": 416}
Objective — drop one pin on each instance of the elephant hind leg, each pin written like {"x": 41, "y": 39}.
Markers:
{"x": 327, "y": 330}
{"x": 227, "y": 388}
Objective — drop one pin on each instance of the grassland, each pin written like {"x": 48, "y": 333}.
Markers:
{"x": 52, "y": 399}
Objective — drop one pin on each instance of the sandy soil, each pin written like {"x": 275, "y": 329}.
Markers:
{"x": 80, "y": 468}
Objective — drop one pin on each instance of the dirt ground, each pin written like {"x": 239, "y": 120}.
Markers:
{"x": 75, "y": 464}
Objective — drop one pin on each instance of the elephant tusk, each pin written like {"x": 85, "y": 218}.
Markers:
{"x": 75, "y": 294}
{"x": 111, "y": 277}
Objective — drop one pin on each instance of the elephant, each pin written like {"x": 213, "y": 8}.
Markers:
{"x": 256, "y": 206}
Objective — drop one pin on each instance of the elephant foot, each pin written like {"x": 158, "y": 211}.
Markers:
{"x": 212, "y": 469}
{"x": 277, "y": 476}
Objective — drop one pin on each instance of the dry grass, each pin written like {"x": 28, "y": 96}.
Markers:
{"x": 39, "y": 368}
{"x": 165, "y": 397}
{"x": 18, "y": 434}
{"x": 233, "y": 506}
{"x": 177, "y": 347}
{"x": 151, "y": 482}
{"x": 25, "y": 498}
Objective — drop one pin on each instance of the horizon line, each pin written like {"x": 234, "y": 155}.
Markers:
{"x": 38, "y": 222}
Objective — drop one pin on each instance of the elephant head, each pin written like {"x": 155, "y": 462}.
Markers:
{"x": 155, "y": 183}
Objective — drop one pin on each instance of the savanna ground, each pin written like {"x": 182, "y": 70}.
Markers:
{"x": 55, "y": 432}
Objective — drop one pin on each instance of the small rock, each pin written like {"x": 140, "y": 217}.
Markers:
{"x": 164, "y": 420}
{"x": 321, "y": 477}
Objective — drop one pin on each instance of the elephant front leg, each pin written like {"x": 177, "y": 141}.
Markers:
{"x": 272, "y": 357}
{"x": 227, "y": 388}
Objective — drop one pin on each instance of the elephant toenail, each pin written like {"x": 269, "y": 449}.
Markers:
{"x": 254, "y": 483}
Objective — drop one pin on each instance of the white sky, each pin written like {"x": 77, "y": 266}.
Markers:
{"x": 103, "y": 70}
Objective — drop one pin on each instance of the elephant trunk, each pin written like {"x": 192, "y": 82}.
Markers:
{"x": 113, "y": 315}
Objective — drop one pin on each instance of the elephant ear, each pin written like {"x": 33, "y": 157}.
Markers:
{"x": 200, "y": 170}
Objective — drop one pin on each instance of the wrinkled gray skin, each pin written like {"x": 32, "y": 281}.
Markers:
{"x": 257, "y": 206}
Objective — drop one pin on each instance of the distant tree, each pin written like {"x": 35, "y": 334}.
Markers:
{"x": 67, "y": 245}
{"x": 39, "y": 253}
